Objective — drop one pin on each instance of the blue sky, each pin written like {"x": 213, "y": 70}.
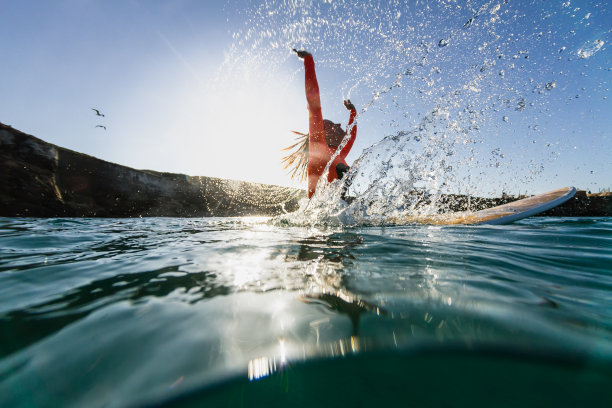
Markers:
{"x": 211, "y": 88}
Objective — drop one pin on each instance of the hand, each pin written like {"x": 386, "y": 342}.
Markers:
{"x": 301, "y": 54}
{"x": 349, "y": 105}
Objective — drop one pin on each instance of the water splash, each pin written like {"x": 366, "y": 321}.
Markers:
{"x": 402, "y": 174}
{"x": 453, "y": 82}
{"x": 590, "y": 48}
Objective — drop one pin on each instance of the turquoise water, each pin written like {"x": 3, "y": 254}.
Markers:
{"x": 241, "y": 312}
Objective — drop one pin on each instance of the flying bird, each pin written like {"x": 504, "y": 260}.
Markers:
{"x": 100, "y": 126}
{"x": 97, "y": 112}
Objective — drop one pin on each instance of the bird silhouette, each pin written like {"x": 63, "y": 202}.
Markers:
{"x": 100, "y": 126}
{"x": 97, "y": 112}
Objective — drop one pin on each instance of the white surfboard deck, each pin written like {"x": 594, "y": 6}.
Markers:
{"x": 502, "y": 214}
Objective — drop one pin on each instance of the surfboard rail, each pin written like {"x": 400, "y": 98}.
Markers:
{"x": 526, "y": 207}
{"x": 501, "y": 214}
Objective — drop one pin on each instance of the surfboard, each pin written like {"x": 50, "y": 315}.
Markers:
{"x": 502, "y": 214}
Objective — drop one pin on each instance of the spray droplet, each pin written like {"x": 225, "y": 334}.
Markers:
{"x": 442, "y": 43}
{"x": 590, "y": 48}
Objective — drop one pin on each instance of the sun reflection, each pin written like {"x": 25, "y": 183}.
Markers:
{"x": 264, "y": 366}
{"x": 354, "y": 344}
{"x": 283, "y": 352}
{"x": 342, "y": 347}
{"x": 261, "y": 367}
{"x": 247, "y": 267}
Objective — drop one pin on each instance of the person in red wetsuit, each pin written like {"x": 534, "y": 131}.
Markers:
{"x": 324, "y": 136}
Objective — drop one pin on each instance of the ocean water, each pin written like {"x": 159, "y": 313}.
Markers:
{"x": 316, "y": 308}
{"x": 244, "y": 312}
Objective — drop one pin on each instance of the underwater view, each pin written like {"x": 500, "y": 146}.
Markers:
{"x": 356, "y": 298}
{"x": 241, "y": 312}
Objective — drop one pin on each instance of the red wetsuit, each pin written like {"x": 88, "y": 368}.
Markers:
{"x": 319, "y": 153}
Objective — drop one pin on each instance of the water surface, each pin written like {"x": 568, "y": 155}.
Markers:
{"x": 122, "y": 312}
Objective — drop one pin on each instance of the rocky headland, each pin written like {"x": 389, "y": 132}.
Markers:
{"x": 39, "y": 179}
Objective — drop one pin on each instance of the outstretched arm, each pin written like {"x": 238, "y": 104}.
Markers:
{"x": 313, "y": 98}
{"x": 318, "y": 152}
{"x": 352, "y": 127}
{"x": 311, "y": 83}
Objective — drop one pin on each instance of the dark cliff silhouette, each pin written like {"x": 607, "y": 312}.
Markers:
{"x": 39, "y": 179}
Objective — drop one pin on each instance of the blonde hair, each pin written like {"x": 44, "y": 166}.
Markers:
{"x": 297, "y": 160}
